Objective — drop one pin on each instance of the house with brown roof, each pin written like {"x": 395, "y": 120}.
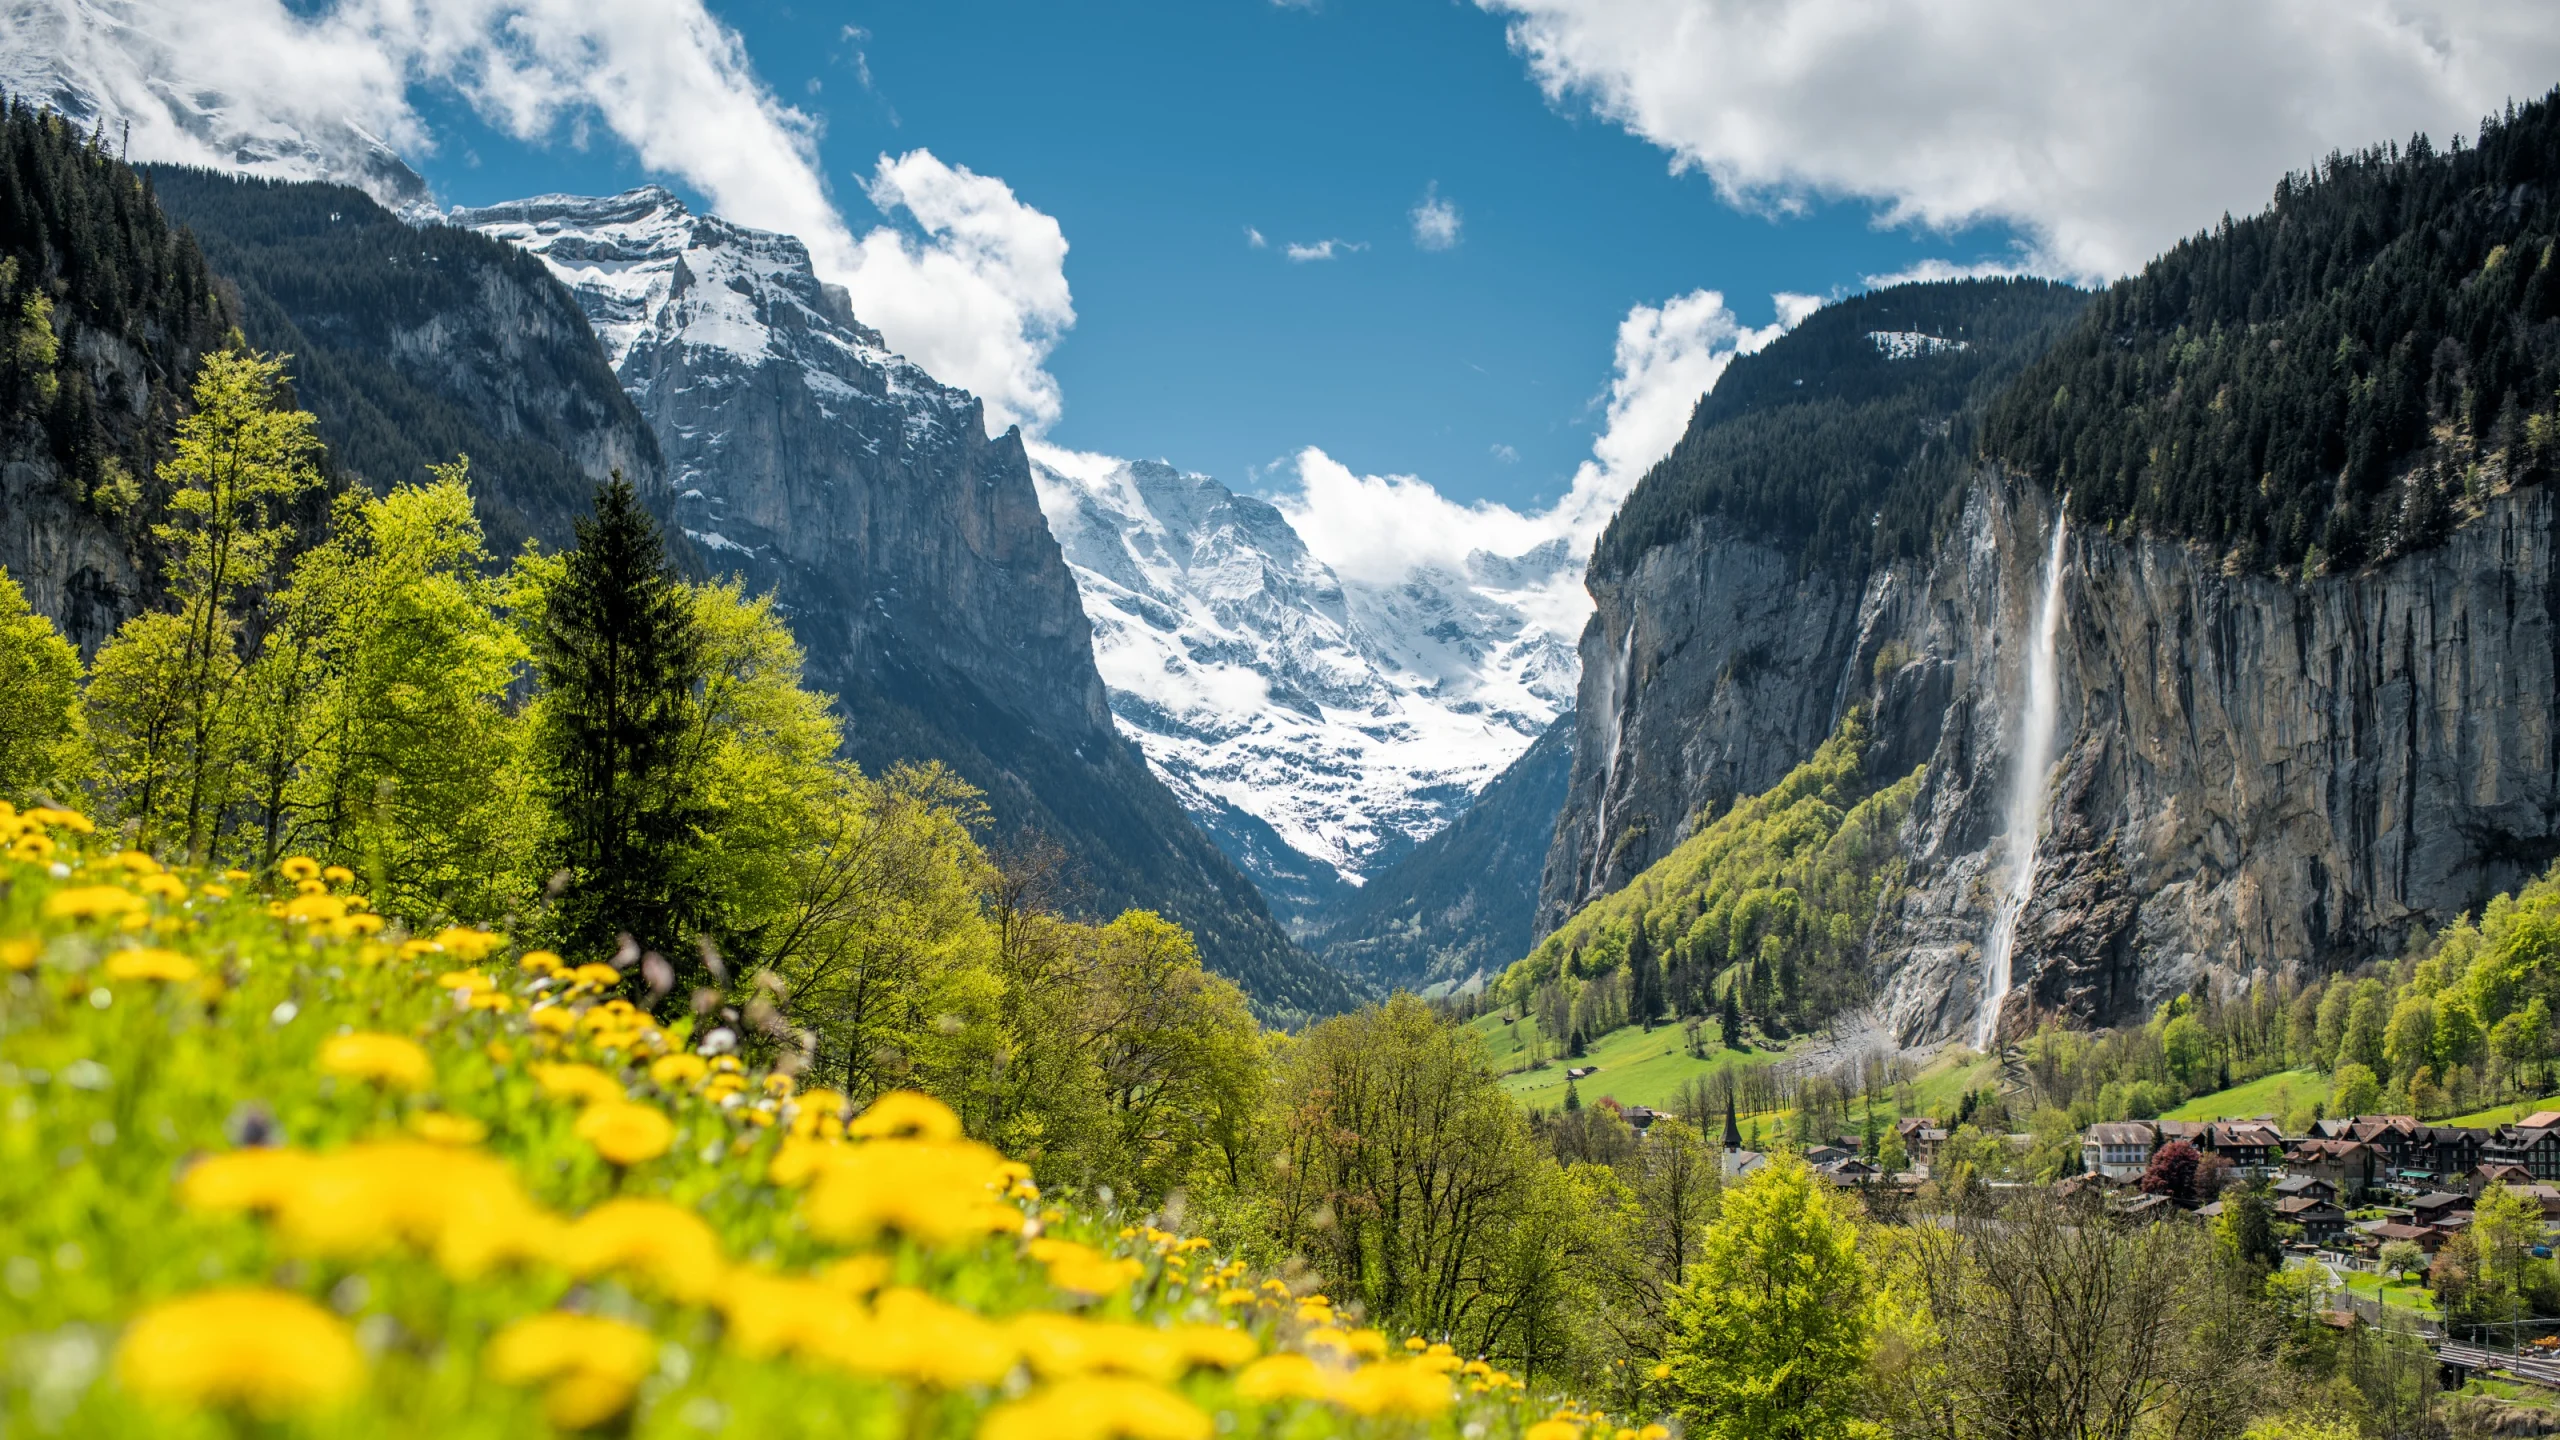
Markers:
{"x": 2437, "y": 1207}
{"x": 2116, "y": 1149}
{"x": 2350, "y": 1167}
{"x": 2488, "y": 1173}
{"x": 2253, "y": 1148}
{"x": 2534, "y": 1146}
{"x": 2308, "y": 1187}
{"x": 2425, "y": 1237}
{"x": 2322, "y": 1222}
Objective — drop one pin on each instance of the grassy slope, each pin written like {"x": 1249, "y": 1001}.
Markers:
{"x": 121, "y": 1067}
{"x": 2276, "y": 1095}
{"x": 2505, "y": 1114}
{"x": 1634, "y": 1068}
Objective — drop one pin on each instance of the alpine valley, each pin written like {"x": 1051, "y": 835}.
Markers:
{"x": 2102, "y": 648}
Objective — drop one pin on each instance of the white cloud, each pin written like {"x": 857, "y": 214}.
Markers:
{"x": 1436, "y": 222}
{"x": 2103, "y": 132}
{"x": 1253, "y": 238}
{"x": 1379, "y": 528}
{"x": 979, "y": 296}
{"x": 1324, "y": 249}
{"x": 1505, "y": 454}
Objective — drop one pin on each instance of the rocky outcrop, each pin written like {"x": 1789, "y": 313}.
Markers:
{"x": 2253, "y": 775}
{"x": 907, "y": 547}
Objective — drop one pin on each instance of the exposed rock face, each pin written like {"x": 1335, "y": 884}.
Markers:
{"x": 414, "y": 345}
{"x": 907, "y": 547}
{"x": 2253, "y": 774}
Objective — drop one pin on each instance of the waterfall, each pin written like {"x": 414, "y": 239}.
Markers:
{"x": 1609, "y": 770}
{"x": 2028, "y": 775}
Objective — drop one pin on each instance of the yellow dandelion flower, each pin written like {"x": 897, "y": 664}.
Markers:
{"x": 667, "y": 1244}
{"x": 1097, "y": 1407}
{"x": 163, "y": 887}
{"x": 538, "y": 962}
{"x": 387, "y": 1060}
{"x": 591, "y": 1366}
{"x": 674, "y": 1072}
{"x": 132, "y": 862}
{"x": 267, "y": 1352}
{"x": 305, "y": 909}
{"x": 772, "y": 1315}
{"x": 217, "y": 892}
{"x": 92, "y": 902}
{"x": 299, "y": 868}
{"x": 857, "y": 1275}
{"x": 598, "y": 977}
{"x": 935, "y": 1192}
{"x": 553, "y": 1019}
{"x": 497, "y": 1000}
{"x": 906, "y": 1115}
{"x": 19, "y": 954}
{"x": 1553, "y": 1430}
{"x": 468, "y": 946}
{"x": 1395, "y": 1388}
{"x": 465, "y": 980}
{"x": 583, "y": 1083}
{"x": 60, "y": 819}
{"x": 1284, "y": 1377}
{"x": 33, "y": 849}
{"x": 438, "y": 1128}
{"x": 338, "y": 875}
{"x": 1082, "y": 1269}
{"x": 310, "y": 887}
{"x": 151, "y": 964}
{"x": 919, "y": 1338}
{"x": 626, "y": 1134}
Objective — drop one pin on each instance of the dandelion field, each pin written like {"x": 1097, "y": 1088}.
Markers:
{"x": 269, "y": 1165}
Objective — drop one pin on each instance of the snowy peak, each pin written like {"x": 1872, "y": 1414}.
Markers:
{"x": 1319, "y": 729}
{"x": 138, "y": 74}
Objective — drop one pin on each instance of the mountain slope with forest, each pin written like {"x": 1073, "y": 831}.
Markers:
{"x": 2306, "y": 596}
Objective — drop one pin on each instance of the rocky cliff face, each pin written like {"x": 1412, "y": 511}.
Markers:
{"x": 908, "y": 548}
{"x": 2253, "y": 775}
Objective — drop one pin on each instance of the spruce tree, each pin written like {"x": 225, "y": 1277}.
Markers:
{"x": 1644, "y": 974}
{"x": 1729, "y": 1019}
{"x": 618, "y": 653}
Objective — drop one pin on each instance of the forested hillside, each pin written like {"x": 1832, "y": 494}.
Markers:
{"x": 103, "y": 310}
{"x": 1847, "y": 437}
{"x": 415, "y": 344}
{"x": 2335, "y": 380}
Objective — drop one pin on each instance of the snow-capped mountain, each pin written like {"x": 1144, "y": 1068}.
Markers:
{"x": 1317, "y": 728}
{"x": 146, "y": 77}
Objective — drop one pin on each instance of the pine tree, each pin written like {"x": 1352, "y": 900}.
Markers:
{"x": 619, "y": 655}
{"x": 1729, "y": 1018}
{"x": 1644, "y": 974}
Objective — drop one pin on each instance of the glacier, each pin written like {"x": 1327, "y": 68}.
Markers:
{"x": 1318, "y": 728}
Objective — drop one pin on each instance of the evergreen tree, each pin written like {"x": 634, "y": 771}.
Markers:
{"x": 1644, "y": 974}
{"x": 1729, "y": 1018}
{"x": 615, "y": 643}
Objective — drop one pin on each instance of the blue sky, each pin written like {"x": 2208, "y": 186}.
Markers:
{"x": 1157, "y": 134}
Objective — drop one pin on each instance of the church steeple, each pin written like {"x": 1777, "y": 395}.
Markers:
{"x": 1732, "y": 1131}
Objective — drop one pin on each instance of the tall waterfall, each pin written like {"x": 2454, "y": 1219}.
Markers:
{"x": 2030, "y": 770}
{"x": 1617, "y": 741}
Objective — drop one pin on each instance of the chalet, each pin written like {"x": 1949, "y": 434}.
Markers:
{"x": 1849, "y": 1171}
{"x": 2350, "y": 1167}
{"x": 1923, "y": 1146}
{"x": 2437, "y": 1207}
{"x": 2322, "y": 1222}
{"x": 2446, "y": 1150}
{"x": 2486, "y": 1174}
{"x": 1740, "y": 1163}
{"x": 2425, "y": 1237}
{"x": 1822, "y": 1156}
{"x": 2308, "y": 1187}
{"x": 2392, "y": 1137}
{"x": 2253, "y": 1148}
{"x": 2118, "y": 1149}
{"x": 2534, "y": 1146}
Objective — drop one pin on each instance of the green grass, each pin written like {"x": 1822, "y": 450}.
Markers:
{"x": 2505, "y": 1114}
{"x": 1939, "y": 1089}
{"x": 2277, "y": 1095}
{"x": 1636, "y": 1068}
{"x": 2399, "y": 1294}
